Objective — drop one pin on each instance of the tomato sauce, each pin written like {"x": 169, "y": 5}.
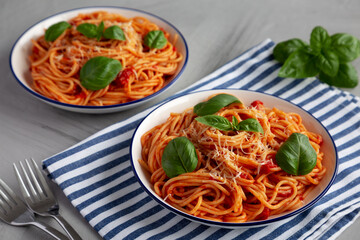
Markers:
{"x": 123, "y": 77}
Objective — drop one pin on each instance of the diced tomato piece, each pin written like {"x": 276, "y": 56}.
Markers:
{"x": 266, "y": 167}
{"x": 35, "y": 50}
{"x": 243, "y": 116}
{"x": 264, "y": 214}
{"x": 72, "y": 23}
{"x": 123, "y": 76}
{"x": 319, "y": 139}
{"x": 78, "y": 92}
{"x": 257, "y": 104}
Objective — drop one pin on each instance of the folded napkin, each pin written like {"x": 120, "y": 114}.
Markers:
{"x": 96, "y": 175}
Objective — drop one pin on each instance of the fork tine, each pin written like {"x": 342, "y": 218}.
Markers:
{"x": 23, "y": 187}
{"x": 29, "y": 183}
{"x": 44, "y": 184}
{"x": 35, "y": 180}
{"x": 3, "y": 206}
{"x": 16, "y": 199}
{"x": 4, "y": 202}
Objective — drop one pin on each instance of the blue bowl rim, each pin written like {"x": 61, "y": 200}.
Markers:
{"x": 107, "y": 106}
{"x": 231, "y": 224}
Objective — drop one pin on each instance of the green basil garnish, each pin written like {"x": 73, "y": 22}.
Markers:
{"x": 88, "y": 29}
{"x": 114, "y": 32}
{"x": 345, "y": 46}
{"x": 214, "y": 104}
{"x": 155, "y": 39}
{"x": 216, "y": 121}
{"x": 179, "y": 157}
{"x": 222, "y": 123}
{"x": 249, "y": 125}
{"x": 100, "y": 31}
{"x": 283, "y": 50}
{"x": 92, "y": 31}
{"x": 98, "y": 72}
{"x": 55, "y": 30}
{"x": 300, "y": 64}
{"x": 328, "y": 62}
{"x": 347, "y": 73}
{"x": 326, "y": 57}
{"x": 296, "y": 156}
{"x": 319, "y": 38}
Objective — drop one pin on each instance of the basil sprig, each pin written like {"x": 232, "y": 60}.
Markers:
{"x": 98, "y": 72}
{"x": 179, "y": 157}
{"x": 222, "y": 123}
{"x": 347, "y": 73}
{"x": 155, "y": 39}
{"x": 92, "y": 31}
{"x": 114, "y": 32}
{"x": 55, "y": 30}
{"x": 216, "y": 121}
{"x": 296, "y": 156}
{"x": 283, "y": 49}
{"x": 249, "y": 125}
{"x": 88, "y": 30}
{"x": 327, "y": 57}
{"x": 214, "y": 104}
{"x": 100, "y": 31}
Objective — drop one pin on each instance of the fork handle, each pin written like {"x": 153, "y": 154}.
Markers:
{"x": 50, "y": 230}
{"x": 67, "y": 227}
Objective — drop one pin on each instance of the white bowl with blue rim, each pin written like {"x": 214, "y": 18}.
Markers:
{"x": 185, "y": 101}
{"x": 19, "y": 56}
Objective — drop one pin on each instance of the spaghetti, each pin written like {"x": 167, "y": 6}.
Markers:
{"x": 55, "y": 65}
{"x": 236, "y": 178}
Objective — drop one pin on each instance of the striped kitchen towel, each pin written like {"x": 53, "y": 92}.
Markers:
{"x": 97, "y": 178}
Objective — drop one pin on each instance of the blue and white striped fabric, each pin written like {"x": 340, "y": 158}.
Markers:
{"x": 97, "y": 178}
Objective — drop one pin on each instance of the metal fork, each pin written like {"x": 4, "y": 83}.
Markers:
{"x": 14, "y": 212}
{"x": 39, "y": 197}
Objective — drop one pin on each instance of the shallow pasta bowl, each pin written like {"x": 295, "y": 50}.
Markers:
{"x": 19, "y": 62}
{"x": 179, "y": 104}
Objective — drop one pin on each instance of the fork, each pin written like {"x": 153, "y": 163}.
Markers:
{"x": 39, "y": 197}
{"x": 14, "y": 212}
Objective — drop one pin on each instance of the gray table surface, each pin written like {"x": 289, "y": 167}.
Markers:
{"x": 216, "y": 32}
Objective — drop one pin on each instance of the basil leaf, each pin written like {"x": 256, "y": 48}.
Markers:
{"x": 214, "y": 104}
{"x": 235, "y": 122}
{"x": 179, "y": 157}
{"x": 88, "y": 29}
{"x": 296, "y": 156}
{"x": 222, "y": 123}
{"x": 155, "y": 39}
{"x": 216, "y": 121}
{"x": 250, "y": 125}
{"x": 328, "y": 62}
{"x": 98, "y": 72}
{"x": 319, "y": 38}
{"x": 55, "y": 30}
{"x": 100, "y": 30}
{"x": 345, "y": 46}
{"x": 300, "y": 64}
{"x": 283, "y": 49}
{"x": 346, "y": 77}
{"x": 114, "y": 32}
